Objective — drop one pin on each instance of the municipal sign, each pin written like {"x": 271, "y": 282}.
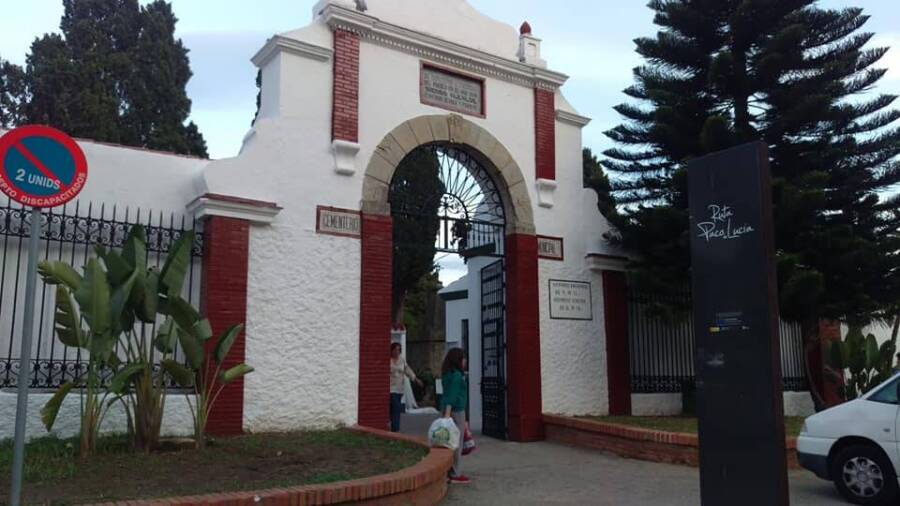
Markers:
{"x": 41, "y": 166}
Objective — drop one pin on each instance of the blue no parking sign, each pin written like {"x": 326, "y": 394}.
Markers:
{"x": 41, "y": 166}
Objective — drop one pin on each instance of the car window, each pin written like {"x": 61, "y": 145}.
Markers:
{"x": 887, "y": 394}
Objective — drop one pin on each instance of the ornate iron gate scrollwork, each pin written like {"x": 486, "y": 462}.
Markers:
{"x": 472, "y": 218}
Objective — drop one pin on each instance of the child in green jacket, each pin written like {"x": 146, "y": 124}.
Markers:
{"x": 453, "y": 403}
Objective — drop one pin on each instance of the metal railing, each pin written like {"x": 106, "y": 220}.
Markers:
{"x": 68, "y": 234}
{"x": 662, "y": 349}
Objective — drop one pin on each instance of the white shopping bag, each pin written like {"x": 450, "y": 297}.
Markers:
{"x": 444, "y": 434}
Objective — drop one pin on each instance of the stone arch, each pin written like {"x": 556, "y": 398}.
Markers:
{"x": 523, "y": 386}
{"x": 453, "y": 129}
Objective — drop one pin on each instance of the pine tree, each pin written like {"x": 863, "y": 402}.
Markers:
{"x": 723, "y": 72}
{"x": 115, "y": 74}
{"x": 596, "y": 179}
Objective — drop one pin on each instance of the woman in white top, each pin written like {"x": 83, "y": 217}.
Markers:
{"x": 399, "y": 371}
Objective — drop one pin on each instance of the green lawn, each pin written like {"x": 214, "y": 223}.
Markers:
{"x": 54, "y": 474}
{"x": 687, "y": 425}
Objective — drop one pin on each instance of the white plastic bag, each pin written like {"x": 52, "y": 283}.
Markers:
{"x": 444, "y": 434}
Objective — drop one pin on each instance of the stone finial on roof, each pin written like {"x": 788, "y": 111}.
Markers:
{"x": 530, "y": 47}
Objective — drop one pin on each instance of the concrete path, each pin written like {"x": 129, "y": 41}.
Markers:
{"x": 515, "y": 474}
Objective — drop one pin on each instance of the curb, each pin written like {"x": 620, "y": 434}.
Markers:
{"x": 636, "y": 443}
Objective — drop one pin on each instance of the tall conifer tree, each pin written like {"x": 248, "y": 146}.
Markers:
{"x": 724, "y": 72}
{"x": 116, "y": 73}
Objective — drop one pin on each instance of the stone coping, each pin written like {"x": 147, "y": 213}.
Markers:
{"x": 422, "y": 484}
{"x": 635, "y": 442}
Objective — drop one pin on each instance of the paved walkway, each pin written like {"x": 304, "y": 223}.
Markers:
{"x": 548, "y": 474}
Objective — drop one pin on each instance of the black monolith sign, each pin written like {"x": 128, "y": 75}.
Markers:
{"x": 738, "y": 356}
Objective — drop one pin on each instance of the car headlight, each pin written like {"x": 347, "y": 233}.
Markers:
{"x": 804, "y": 429}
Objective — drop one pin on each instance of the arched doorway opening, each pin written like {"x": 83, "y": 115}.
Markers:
{"x": 523, "y": 417}
{"x": 447, "y": 211}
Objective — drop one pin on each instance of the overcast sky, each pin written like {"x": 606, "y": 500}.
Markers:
{"x": 590, "y": 40}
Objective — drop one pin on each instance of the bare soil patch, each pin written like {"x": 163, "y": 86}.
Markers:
{"x": 56, "y": 476}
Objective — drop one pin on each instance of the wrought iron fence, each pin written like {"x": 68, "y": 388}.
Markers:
{"x": 662, "y": 349}
{"x": 69, "y": 235}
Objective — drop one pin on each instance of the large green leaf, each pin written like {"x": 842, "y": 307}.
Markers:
{"x": 886, "y": 356}
{"x": 203, "y": 330}
{"x": 50, "y": 410}
{"x": 93, "y": 296}
{"x": 59, "y": 273}
{"x": 118, "y": 270}
{"x": 166, "y": 336}
{"x": 835, "y": 356}
{"x": 226, "y": 340}
{"x": 193, "y": 349}
{"x": 120, "y": 381}
{"x": 872, "y": 355}
{"x": 148, "y": 303}
{"x": 177, "y": 263}
{"x": 181, "y": 374}
{"x": 135, "y": 250}
{"x": 101, "y": 349}
{"x": 234, "y": 373}
{"x": 68, "y": 323}
{"x": 184, "y": 314}
{"x": 121, "y": 314}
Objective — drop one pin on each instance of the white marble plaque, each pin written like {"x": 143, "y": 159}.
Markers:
{"x": 452, "y": 91}
{"x": 570, "y": 300}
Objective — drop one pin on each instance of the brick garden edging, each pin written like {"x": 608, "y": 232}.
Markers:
{"x": 423, "y": 484}
{"x": 635, "y": 442}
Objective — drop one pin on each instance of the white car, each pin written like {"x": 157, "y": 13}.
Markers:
{"x": 856, "y": 446}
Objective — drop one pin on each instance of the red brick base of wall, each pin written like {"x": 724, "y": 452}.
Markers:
{"x": 635, "y": 443}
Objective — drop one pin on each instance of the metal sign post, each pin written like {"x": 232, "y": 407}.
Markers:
{"x": 25, "y": 359}
{"x": 40, "y": 167}
{"x": 738, "y": 357}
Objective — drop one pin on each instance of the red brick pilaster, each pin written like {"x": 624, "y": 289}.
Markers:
{"x": 615, "y": 321}
{"x": 523, "y": 339}
{"x": 545, "y": 133}
{"x": 375, "y": 321}
{"x": 829, "y": 331}
{"x": 345, "y": 99}
{"x": 224, "y": 302}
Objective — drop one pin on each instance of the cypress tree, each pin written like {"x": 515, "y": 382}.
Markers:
{"x": 724, "y": 72}
{"x": 116, "y": 73}
{"x": 415, "y": 200}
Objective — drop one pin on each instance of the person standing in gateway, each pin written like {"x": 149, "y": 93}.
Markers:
{"x": 453, "y": 404}
{"x": 400, "y": 370}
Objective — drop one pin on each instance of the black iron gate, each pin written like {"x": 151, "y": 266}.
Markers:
{"x": 493, "y": 351}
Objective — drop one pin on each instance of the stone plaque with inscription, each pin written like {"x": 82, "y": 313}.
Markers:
{"x": 342, "y": 222}
{"x": 449, "y": 90}
{"x": 550, "y": 248}
{"x": 570, "y": 300}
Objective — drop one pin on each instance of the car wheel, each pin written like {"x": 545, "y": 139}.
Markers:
{"x": 863, "y": 475}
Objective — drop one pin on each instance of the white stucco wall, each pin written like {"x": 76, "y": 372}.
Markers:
{"x": 177, "y": 420}
{"x": 656, "y": 404}
{"x": 795, "y": 404}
